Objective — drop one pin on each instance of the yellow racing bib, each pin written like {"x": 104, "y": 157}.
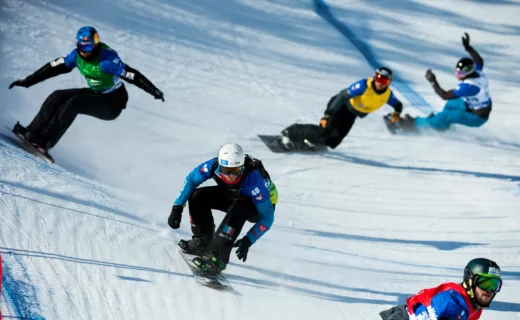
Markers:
{"x": 370, "y": 100}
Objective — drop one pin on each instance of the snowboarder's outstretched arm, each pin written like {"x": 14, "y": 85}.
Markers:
{"x": 398, "y": 108}
{"x": 49, "y": 70}
{"x": 135, "y": 77}
{"x": 445, "y": 95}
{"x": 195, "y": 178}
{"x": 395, "y": 103}
{"x": 477, "y": 59}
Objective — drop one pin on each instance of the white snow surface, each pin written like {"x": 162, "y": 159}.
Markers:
{"x": 357, "y": 230}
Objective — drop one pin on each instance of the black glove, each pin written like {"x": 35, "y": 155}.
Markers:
{"x": 430, "y": 76}
{"x": 18, "y": 83}
{"x": 465, "y": 41}
{"x": 324, "y": 121}
{"x": 158, "y": 94}
{"x": 174, "y": 220}
{"x": 243, "y": 247}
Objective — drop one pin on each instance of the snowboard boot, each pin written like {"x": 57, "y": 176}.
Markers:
{"x": 286, "y": 142}
{"x": 209, "y": 264}
{"x": 30, "y": 137}
{"x": 19, "y": 130}
{"x": 37, "y": 142}
{"x": 196, "y": 246}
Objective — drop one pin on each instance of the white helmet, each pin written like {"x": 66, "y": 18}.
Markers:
{"x": 231, "y": 160}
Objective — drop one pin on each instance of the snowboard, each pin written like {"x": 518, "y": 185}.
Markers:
{"x": 274, "y": 144}
{"x": 393, "y": 128}
{"x": 400, "y": 127}
{"x": 214, "y": 281}
{"x": 28, "y": 147}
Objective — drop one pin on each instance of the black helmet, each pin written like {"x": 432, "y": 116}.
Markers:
{"x": 464, "y": 67}
{"x": 385, "y": 72}
{"x": 479, "y": 270}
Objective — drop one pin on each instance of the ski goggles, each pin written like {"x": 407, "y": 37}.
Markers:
{"x": 235, "y": 171}
{"x": 87, "y": 43}
{"x": 230, "y": 175}
{"x": 488, "y": 283}
{"x": 381, "y": 79}
{"x": 461, "y": 74}
{"x": 86, "y": 49}
{"x": 464, "y": 71}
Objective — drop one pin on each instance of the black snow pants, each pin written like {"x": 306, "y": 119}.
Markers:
{"x": 395, "y": 313}
{"x": 60, "y": 109}
{"x": 340, "y": 122}
{"x": 201, "y": 202}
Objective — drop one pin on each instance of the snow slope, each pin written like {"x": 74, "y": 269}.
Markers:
{"x": 357, "y": 230}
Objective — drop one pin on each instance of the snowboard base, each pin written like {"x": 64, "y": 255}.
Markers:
{"x": 28, "y": 147}
{"x": 214, "y": 281}
{"x": 273, "y": 142}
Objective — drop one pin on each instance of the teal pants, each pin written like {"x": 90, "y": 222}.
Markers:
{"x": 454, "y": 112}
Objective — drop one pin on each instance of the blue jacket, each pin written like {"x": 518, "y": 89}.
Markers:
{"x": 447, "y": 301}
{"x": 252, "y": 186}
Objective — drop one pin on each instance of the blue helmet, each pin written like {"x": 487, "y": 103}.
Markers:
{"x": 87, "y": 39}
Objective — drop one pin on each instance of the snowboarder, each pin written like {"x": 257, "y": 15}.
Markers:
{"x": 105, "y": 98}
{"x": 464, "y": 301}
{"x": 360, "y": 99}
{"x": 469, "y": 104}
{"x": 244, "y": 191}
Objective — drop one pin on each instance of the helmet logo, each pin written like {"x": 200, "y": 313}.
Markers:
{"x": 494, "y": 271}
{"x": 383, "y": 72}
{"x": 224, "y": 162}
